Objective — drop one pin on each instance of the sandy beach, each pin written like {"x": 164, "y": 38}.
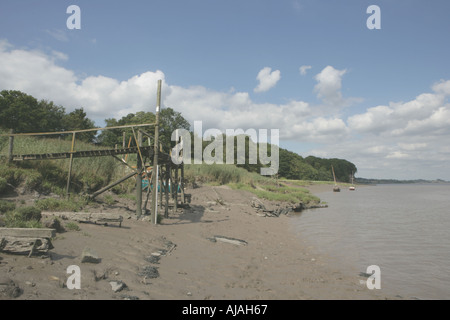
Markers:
{"x": 192, "y": 255}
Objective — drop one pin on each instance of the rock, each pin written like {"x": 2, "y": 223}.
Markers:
{"x": 8, "y": 289}
{"x": 89, "y": 255}
{"x": 117, "y": 286}
{"x": 153, "y": 259}
{"x": 53, "y": 223}
{"x": 256, "y": 203}
{"x": 149, "y": 272}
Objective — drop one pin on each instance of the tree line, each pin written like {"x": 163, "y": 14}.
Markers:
{"x": 25, "y": 114}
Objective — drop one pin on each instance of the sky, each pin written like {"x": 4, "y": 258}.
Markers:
{"x": 313, "y": 69}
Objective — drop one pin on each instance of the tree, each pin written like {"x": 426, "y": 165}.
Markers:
{"x": 77, "y": 120}
{"x": 26, "y": 114}
{"x": 169, "y": 121}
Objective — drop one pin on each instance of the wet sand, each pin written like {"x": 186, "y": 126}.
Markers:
{"x": 188, "y": 262}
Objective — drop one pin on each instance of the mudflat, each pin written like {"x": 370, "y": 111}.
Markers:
{"x": 221, "y": 247}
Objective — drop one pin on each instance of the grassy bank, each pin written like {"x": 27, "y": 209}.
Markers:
{"x": 50, "y": 176}
{"x": 240, "y": 179}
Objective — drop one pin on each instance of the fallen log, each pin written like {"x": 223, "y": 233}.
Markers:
{"x": 27, "y": 232}
{"x": 86, "y": 217}
{"x": 234, "y": 241}
{"x": 26, "y": 240}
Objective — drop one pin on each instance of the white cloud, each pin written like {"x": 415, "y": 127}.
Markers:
{"x": 398, "y": 140}
{"x": 267, "y": 79}
{"x": 304, "y": 69}
{"x": 329, "y": 85}
{"x": 58, "y": 34}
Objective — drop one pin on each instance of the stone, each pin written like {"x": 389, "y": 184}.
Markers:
{"x": 89, "y": 255}
{"x": 117, "y": 286}
{"x": 8, "y": 289}
{"x": 149, "y": 272}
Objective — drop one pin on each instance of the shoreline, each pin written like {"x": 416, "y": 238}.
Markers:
{"x": 272, "y": 264}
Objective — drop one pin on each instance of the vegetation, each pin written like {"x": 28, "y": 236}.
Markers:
{"x": 24, "y": 113}
{"x": 24, "y": 217}
{"x": 240, "y": 179}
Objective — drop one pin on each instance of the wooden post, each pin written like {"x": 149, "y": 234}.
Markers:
{"x": 139, "y": 179}
{"x": 161, "y": 185}
{"x": 166, "y": 191}
{"x": 183, "y": 200}
{"x": 154, "y": 213}
{"x": 11, "y": 146}
{"x": 70, "y": 165}
{"x": 123, "y": 143}
{"x": 175, "y": 191}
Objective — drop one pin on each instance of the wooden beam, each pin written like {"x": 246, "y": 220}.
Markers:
{"x": 102, "y": 217}
{"x": 27, "y": 232}
{"x": 11, "y": 146}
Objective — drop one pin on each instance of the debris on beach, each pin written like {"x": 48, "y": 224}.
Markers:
{"x": 149, "y": 272}
{"x": 89, "y": 256}
{"x": 234, "y": 241}
{"x": 117, "y": 286}
{"x": 9, "y": 289}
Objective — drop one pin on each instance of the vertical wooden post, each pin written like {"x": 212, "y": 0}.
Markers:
{"x": 166, "y": 191}
{"x": 175, "y": 191}
{"x": 154, "y": 213}
{"x": 183, "y": 200}
{"x": 161, "y": 185}
{"x": 70, "y": 165}
{"x": 11, "y": 146}
{"x": 139, "y": 179}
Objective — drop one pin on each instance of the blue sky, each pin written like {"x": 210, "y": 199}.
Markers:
{"x": 378, "y": 98}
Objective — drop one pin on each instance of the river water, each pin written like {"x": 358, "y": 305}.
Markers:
{"x": 403, "y": 229}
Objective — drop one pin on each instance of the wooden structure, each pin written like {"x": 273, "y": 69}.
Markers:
{"x": 22, "y": 241}
{"x": 161, "y": 171}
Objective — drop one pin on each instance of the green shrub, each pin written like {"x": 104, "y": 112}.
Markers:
{"x": 3, "y": 185}
{"x": 6, "y": 206}
{"x": 29, "y": 213}
{"x": 72, "y": 226}
{"x": 25, "y": 217}
{"x": 51, "y": 204}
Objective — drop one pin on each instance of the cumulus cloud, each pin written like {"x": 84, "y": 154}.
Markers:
{"x": 267, "y": 79}
{"x": 329, "y": 84}
{"x": 58, "y": 34}
{"x": 398, "y": 139}
{"x": 304, "y": 69}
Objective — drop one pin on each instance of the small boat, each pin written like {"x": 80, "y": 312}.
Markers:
{"x": 336, "y": 187}
{"x": 352, "y": 187}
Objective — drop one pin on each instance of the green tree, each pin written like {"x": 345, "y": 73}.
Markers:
{"x": 77, "y": 120}
{"x": 169, "y": 121}
{"x": 26, "y": 114}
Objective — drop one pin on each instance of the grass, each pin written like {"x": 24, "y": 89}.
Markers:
{"x": 74, "y": 204}
{"x": 24, "y": 217}
{"x": 221, "y": 174}
{"x": 88, "y": 174}
{"x": 240, "y": 179}
{"x": 72, "y": 226}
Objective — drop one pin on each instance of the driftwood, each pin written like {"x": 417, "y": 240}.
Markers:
{"x": 86, "y": 217}
{"x": 234, "y": 241}
{"x": 21, "y": 241}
